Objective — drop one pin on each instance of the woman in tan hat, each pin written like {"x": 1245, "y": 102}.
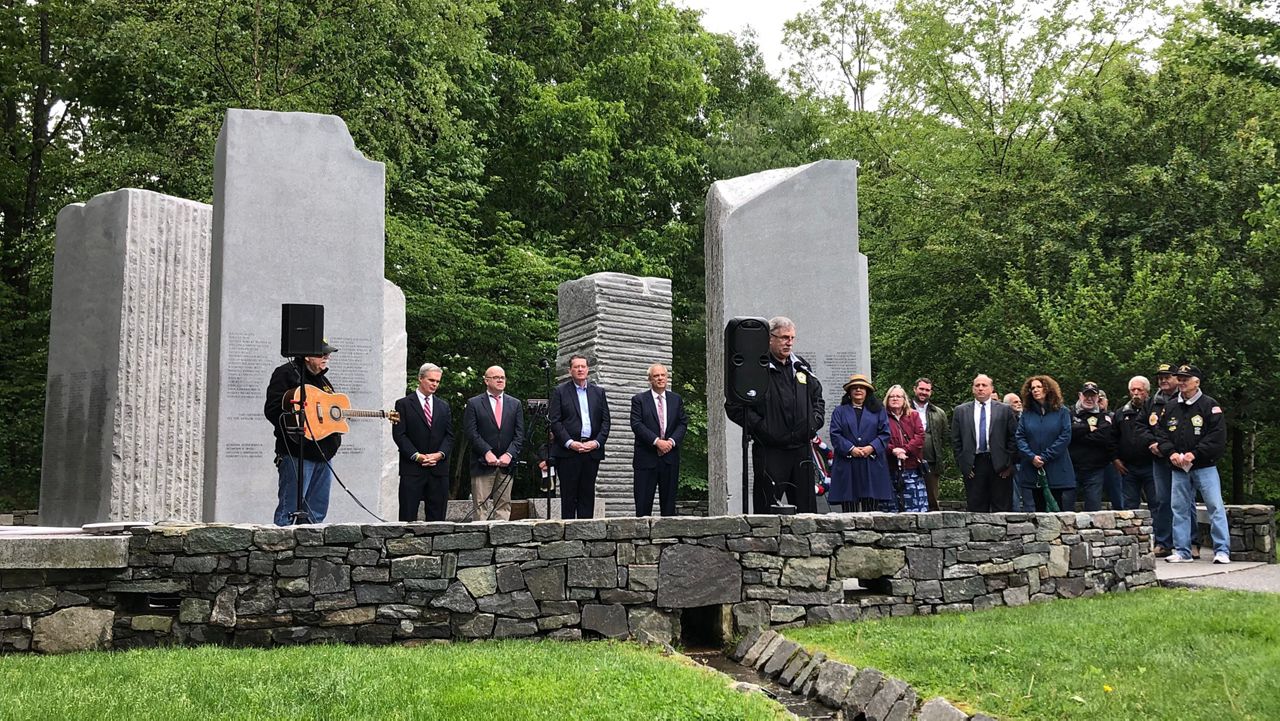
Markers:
{"x": 860, "y": 438}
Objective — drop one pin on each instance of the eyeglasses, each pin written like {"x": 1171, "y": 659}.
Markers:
{"x": 495, "y": 378}
{"x": 317, "y": 357}
{"x": 783, "y": 337}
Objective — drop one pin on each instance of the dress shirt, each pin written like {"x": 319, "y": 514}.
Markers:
{"x": 977, "y": 422}
{"x": 662, "y": 422}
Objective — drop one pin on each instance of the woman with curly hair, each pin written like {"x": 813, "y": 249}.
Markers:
{"x": 1044, "y": 433}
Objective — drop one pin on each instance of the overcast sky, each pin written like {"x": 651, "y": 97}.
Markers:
{"x": 764, "y": 16}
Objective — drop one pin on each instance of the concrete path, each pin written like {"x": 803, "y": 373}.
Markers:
{"x": 1239, "y": 576}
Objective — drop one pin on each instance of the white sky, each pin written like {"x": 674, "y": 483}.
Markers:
{"x": 764, "y": 16}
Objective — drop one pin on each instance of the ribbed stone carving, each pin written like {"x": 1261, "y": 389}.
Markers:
{"x": 128, "y": 347}
{"x": 622, "y": 323}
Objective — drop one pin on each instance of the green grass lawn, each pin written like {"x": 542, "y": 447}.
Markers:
{"x": 1154, "y": 654}
{"x": 488, "y": 681}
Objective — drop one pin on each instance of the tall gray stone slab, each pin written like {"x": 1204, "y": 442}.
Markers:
{"x": 128, "y": 350}
{"x": 298, "y": 218}
{"x": 395, "y": 383}
{"x": 783, "y": 242}
{"x": 622, "y": 323}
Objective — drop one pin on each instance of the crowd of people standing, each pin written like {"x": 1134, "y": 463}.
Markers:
{"x": 1032, "y": 451}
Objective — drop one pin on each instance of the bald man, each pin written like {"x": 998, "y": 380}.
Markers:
{"x": 659, "y": 422}
{"x": 494, "y": 426}
{"x": 983, "y": 438}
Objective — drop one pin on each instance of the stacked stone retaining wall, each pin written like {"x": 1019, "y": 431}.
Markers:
{"x": 637, "y": 578}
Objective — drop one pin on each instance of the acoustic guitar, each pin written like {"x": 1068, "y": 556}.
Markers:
{"x": 327, "y": 413}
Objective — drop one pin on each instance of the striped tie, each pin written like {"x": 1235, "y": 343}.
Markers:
{"x": 426, "y": 408}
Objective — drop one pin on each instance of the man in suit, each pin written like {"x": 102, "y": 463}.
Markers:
{"x": 579, "y": 416}
{"x": 494, "y": 426}
{"x": 983, "y": 438}
{"x": 424, "y": 437}
{"x": 659, "y": 423}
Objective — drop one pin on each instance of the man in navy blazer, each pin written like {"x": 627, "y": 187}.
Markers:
{"x": 493, "y": 424}
{"x": 579, "y": 416}
{"x": 659, "y": 422}
{"x": 983, "y": 436}
{"x": 424, "y": 437}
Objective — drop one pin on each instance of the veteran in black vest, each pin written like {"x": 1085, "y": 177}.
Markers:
{"x": 424, "y": 439}
{"x": 579, "y": 417}
{"x": 493, "y": 424}
{"x": 659, "y": 423}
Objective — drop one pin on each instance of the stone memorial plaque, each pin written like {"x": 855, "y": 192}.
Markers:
{"x": 298, "y": 218}
{"x": 622, "y": 323}
{"x": 783, "y": 242}
{"x": 124, "y": 417}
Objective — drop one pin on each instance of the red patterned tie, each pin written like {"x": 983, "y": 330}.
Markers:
{"x": 497, "y": 410}
{"x": 426, "y": 408}
{"x": 662, "y": 416}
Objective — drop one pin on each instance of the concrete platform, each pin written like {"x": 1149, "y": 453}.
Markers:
{"x": 1238, "y": 576}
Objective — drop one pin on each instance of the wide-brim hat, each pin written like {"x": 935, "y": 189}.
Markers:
{"x": 858, "y": 380}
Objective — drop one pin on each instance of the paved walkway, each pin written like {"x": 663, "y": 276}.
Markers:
{"x": 1247, "y": 576}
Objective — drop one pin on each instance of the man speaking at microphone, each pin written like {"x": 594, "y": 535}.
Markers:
{"x": 783, "y": 425}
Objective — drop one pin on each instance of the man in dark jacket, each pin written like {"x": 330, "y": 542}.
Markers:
{"x": 1161, "y": 471}
{"x": 1093, "y": 446}
{"x": 1193, "y": 437}
{"x": 579, "y": 418}
{"x": 290, "y": 446}
{"x": 937, "y": 436}
{"x": 424, "y": 437}
{"x": 783, "y": 425}
{"x": 659, "y": 423}
{"x": 1133, "y": 460}
{"x": 493, "y": 423}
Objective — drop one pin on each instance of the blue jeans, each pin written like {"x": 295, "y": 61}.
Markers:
{"x": 1139, "y": 482}
{"x": 1089, "y": 488}
{"x": 1162, "y": 508}
{"x": 1113, "y": 487}
{"x": 1185, "y": 484}
{"x": 316, "y": 478}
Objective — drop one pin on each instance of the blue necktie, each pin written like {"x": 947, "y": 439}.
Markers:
{"x": 982, "y": 429}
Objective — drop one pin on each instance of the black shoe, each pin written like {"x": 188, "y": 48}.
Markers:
{"x": 1195, "y": 552}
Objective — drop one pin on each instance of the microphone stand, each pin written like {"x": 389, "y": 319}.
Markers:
{"x": 300, "y": 514}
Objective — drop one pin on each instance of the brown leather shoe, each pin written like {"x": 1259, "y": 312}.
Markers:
{"x": 1195, "y": 552}
{"x": 1162, "y": 552}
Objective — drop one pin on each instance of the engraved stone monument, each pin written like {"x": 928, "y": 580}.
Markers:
{"x": 298, "y": 218}
{"x": 128, "y": 337}
{"x": 783, "y": 242}
{"x": 622, "y": 324}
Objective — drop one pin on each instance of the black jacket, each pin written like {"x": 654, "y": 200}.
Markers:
{"x": 792, "y": 411}
{"x": 412, "y": 435}
{"x": 284, "y": 379}
{"x": 565, "y": 418}
{"x": 1131, "y": 434}
{"x": 1093, "y": 439}
{"x": 1195, "y": 427}
{"x": 484, "y": 435}
{"x": 1157, "y": 404}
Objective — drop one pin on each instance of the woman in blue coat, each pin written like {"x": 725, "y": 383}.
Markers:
{"x": 860, "y": 440}
{"x": 1044, "y": 432}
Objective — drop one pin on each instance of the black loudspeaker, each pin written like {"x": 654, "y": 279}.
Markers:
{"x": 301, "y": 329}
{"x": 746, "y": 360}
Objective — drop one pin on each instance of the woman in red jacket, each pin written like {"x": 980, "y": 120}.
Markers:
{"x": 906, "y": 448}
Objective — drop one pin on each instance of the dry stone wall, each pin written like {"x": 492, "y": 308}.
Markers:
{"x": 624, "y": 578}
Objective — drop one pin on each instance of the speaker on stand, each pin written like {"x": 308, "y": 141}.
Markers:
{"x": 746, "y": 375}
{"x": 301, "y": 335}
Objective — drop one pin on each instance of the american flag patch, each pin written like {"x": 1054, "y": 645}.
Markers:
{"x": 1216, "y": 409}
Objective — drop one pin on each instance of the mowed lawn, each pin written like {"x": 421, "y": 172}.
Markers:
{"x": 1152, "y": 654}
{"x": 502, "y": 681}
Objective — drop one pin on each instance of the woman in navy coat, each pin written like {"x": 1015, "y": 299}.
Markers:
{"x": 860, "y": 440}
{"x": 1044, "y": 432}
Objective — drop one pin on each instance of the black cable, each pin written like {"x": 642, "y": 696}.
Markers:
{"x": 506, "y": 479}
{"x": 306, "y": 423}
